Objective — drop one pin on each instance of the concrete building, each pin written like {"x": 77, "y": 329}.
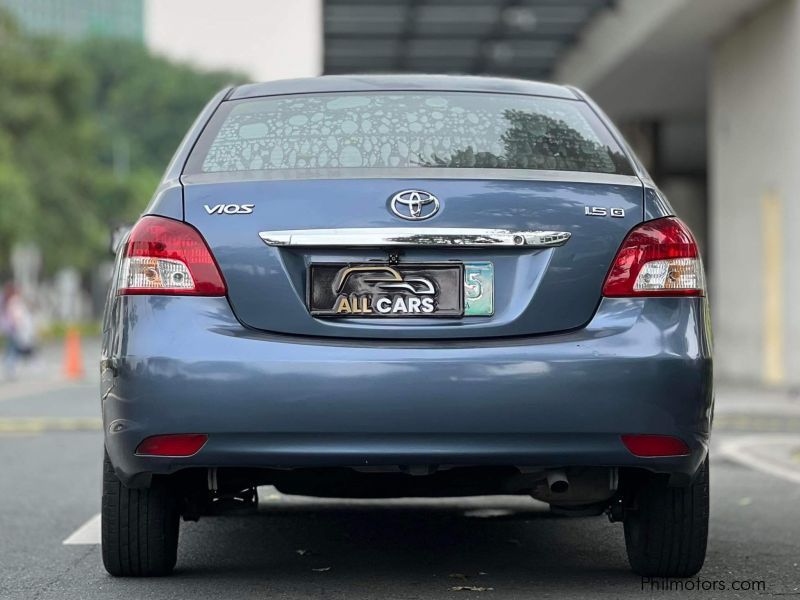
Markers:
{"x": 708, "y": 92}
{"x": 80, "y": 18}
{"x": 264, "y": 39}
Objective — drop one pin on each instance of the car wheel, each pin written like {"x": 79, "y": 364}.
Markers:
{"x": 666, "y": 528}
{"x": 139, "y": 527}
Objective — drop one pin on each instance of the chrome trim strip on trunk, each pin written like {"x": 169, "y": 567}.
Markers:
{"x": 414, "y": 173}
{"x": 455, "y": 237}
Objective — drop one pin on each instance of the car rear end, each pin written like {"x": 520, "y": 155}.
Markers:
{"x": 439, "y": 288}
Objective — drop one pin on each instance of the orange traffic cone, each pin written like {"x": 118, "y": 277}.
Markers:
{"x": 73, "y": 362}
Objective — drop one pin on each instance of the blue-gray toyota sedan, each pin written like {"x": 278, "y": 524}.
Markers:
{"x": 382, "y": 286}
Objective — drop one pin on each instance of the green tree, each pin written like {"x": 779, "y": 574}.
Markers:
{"x": 86, "y": 129}
{"x": 145, "y": 100}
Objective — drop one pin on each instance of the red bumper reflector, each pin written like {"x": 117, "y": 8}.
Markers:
{"x": 172, "y": 445}
{"x": 655, "y": 445}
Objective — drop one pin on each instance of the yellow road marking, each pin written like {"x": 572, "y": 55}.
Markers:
{"x": 44, "y": 424}
{"x": 772, "y": 286}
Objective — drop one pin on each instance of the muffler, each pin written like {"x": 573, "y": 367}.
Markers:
{"x": 557, "y": 481}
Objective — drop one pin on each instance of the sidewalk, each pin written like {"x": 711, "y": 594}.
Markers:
{"x": 753, "y": 409}
{"x": 736, "y": 398}
{"x": 44, "y": 370}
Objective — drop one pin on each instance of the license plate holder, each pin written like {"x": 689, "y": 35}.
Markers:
{"x": 384, "y": 290}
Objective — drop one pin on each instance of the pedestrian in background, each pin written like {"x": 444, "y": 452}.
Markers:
{"x": 16, "y": 323}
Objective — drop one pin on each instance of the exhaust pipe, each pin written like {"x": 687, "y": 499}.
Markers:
{"x": 557, "y": 481}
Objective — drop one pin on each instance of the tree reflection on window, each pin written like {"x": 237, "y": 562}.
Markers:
{"x": 535, "y": 141}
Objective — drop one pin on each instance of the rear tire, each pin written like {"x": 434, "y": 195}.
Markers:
{"x": 139, "y": 527}
{"x": 666, "y": 528}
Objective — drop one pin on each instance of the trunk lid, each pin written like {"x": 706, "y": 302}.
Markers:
{"x": 536, "y": 290}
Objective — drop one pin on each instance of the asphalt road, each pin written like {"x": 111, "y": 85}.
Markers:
{"x": 50, "y": 452}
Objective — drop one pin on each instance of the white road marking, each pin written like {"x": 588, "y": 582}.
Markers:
{"x": 88, "y": 533}
{"x": 740, "y": 450}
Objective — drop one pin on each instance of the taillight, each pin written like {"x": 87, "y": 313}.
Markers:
{"x": 657, "y": 258}
{"x": 164, "y": 256}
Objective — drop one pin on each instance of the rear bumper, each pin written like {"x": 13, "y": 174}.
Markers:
{"x": 185, "y": 365}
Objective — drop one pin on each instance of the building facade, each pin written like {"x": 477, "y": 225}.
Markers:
{"x": 80, "y": 18}
{"x": 707, "y": 92}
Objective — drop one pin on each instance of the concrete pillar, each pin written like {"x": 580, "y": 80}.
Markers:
{"x": 687, "y": 195}
{"x": 754, "y": 143}
{"x": 674, "y": 153}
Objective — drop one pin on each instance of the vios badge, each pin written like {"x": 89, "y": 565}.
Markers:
{"x": 229, "y": 209}
{"x": 414, "y": 205}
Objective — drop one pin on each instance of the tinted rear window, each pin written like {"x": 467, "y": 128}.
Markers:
{"x": 406, "y": 130}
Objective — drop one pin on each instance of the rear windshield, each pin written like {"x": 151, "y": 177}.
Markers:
{"x": 392, "y": 130}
